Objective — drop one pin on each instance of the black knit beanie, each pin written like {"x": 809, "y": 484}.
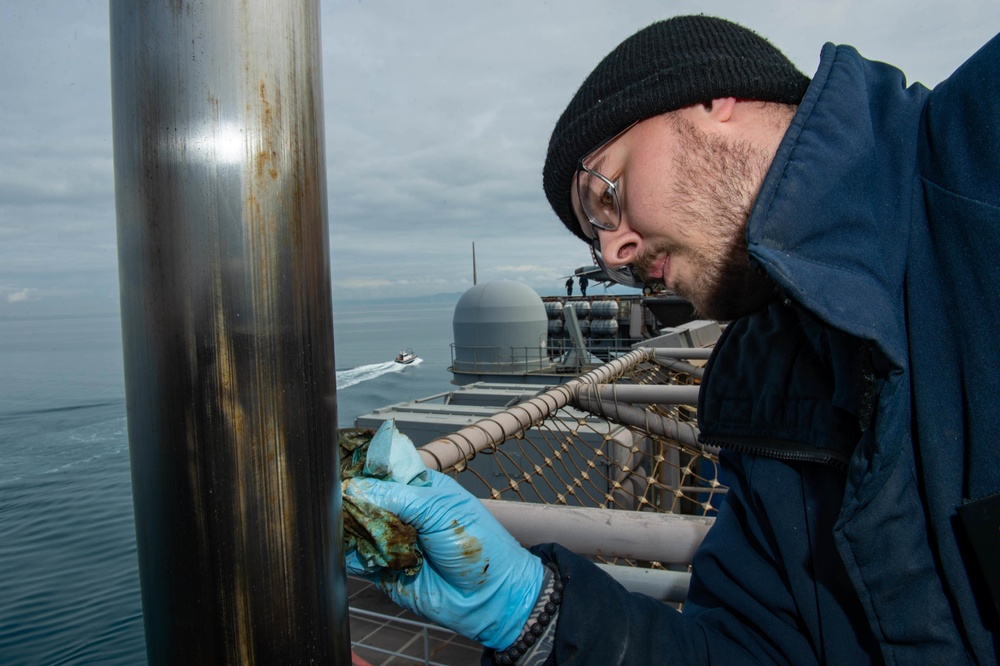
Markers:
{"x": 669, "y": 65}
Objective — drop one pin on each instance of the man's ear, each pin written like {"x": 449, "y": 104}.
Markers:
{"x": 721, "y": 109}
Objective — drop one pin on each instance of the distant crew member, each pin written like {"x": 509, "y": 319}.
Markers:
{"x": 583, "y": 285}
{"x": 569, "y": 286}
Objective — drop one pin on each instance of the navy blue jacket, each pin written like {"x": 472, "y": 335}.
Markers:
{"x": 858, "y": 412}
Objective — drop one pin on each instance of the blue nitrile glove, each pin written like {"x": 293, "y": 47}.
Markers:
{"x": 476, "y": 580}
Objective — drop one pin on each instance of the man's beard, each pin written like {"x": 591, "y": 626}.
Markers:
{"x": 716, "y": 185}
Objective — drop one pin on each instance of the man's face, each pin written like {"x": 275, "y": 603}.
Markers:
{"x": 685, "y": 195}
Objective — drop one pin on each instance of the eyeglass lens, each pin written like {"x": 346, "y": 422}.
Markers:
{"x": 599, "y": 201}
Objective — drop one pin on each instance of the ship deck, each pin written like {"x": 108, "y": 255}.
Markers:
{"x": 384, "y": 634}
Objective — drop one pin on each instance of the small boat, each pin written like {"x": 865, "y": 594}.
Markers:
{"x": 406, "y": 356}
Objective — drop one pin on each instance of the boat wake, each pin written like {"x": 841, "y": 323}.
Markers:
{"x": 363, "y": 373}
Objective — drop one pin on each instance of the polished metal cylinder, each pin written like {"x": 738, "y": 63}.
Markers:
{"x": 227, "y": 328}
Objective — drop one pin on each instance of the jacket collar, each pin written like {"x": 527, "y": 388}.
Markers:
{"x": 830, "y": 224}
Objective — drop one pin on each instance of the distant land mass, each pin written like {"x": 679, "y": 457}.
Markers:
{"x": 398, "y": 300}
{"x": 451, "y": 297}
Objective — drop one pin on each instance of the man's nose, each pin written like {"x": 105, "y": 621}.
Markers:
{"x": 619, "y": 247}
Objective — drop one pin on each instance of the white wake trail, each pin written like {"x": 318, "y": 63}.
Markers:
{"x": 363, "y": 373}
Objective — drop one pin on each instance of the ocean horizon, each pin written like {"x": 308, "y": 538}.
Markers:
{"x": 67, "y": 539}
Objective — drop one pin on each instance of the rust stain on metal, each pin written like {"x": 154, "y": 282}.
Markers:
{"x": 215, "y": 105}
{"x": 266, "y": 158}
{"x": 266, "y": 118}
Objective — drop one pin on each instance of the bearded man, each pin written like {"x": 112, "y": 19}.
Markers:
{"x": 848, "y": 228}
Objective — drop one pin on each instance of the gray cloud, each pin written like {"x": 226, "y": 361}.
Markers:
{"x": 437, "y": 118}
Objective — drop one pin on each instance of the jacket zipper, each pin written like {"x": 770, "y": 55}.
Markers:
{"x": 796, "y": 452}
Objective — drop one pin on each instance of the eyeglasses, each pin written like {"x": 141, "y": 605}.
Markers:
{"x": 598, "y": 194}
{"x": 601, "y": 205}
{"x": 599, "y": 201}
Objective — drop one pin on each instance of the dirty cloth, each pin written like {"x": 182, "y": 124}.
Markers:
{"x": 380, "y": 539}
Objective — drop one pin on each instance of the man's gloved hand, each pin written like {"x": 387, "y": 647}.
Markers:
{"x": 476, "y": 579}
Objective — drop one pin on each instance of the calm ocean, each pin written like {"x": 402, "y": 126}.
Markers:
{"x": 69, "y": 587}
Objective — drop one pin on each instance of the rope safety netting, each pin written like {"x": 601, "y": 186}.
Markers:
{"x": 622, "y": 437}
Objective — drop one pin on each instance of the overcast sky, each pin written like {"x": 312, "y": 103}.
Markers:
{"x": 437, "y": 118}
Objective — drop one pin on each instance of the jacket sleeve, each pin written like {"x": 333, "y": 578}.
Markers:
{"x": 740, "y": 608}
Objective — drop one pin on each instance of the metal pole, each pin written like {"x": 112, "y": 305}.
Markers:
{"x": 668, "y": 353}
{"x": 228, "y": 330}
{"x": 669, "y": 586}
{"x": 655, "y": 394}
{"x": 639, "y": 535}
